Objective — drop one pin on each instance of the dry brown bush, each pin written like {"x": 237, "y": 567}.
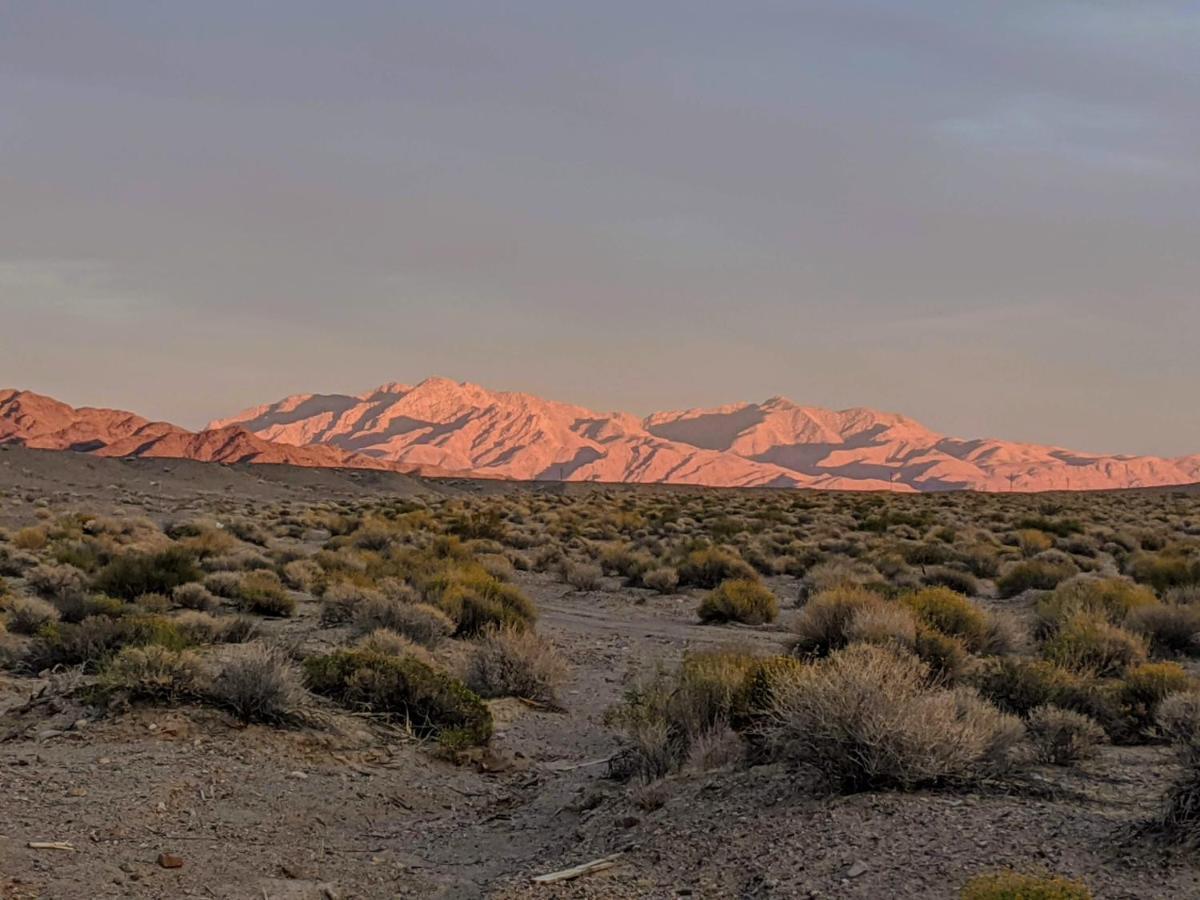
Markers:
{"x": 516, "y": 663}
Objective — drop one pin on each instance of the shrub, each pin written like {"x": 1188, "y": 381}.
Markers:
{"x": 664, "y": 579}
{"x": 263, "y": 593}
{"x": 392, "y": 643}
{"x": 824, "y": 622}
{"x": 882, "y": 624}
{"x": 582, "y": 576}
{"x": 1163, "y": 570}
{"x": 432, "y": 703}
{"x": 1020, "y": 886}
{"x": 741, "y": 600}
{"x": 135, "y": 574}
{"x": 477, "y": 601}
{"x": 425, "y": 624}
{"x": 61, "y": 584}
{"x": 1178, "y": 719}
{"x": 97, "y": 637}
{"x": 1091, "y": 644}
{"x": 340, "y": 599}
{"x": 1171, "y": 629}
{"x": 1033, "y": 574}
{"x": 33, "y": 537}
{"x": 955, "y": 580}
{"x": 1144, "y": 688}
{"x": 1032, "y": 542}
{"x": 259, "y": 684}
{"x": 868, "y": 717}
{"x": 708, "y": 567}
{"x": 946, "y": 656}
{"x": 152, "y": 672}
{"x": 194, "y": 595}
{"x": 28, "y": 614}
{"x": 223, "y": 584}
{"x": 1061, "y": 736}
{"x": 952, "y": 614}
{"x": 1021, "y": 685}
{"x": 1111, "y": 598}
{"x": 301, "y": 574}
{"x": 512, "y": 663}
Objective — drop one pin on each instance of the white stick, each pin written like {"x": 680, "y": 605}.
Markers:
{"x": 596, "y": 865}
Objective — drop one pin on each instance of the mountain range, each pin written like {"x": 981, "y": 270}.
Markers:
{"x": 441, "y": 427}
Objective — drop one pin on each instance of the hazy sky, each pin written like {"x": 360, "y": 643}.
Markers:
{"x": 983, "y": 214}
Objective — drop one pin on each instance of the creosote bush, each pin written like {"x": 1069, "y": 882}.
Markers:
{"x": 952, "y": 614}
{"x": 868, "y": 717}
{"x": 740, "y": 600}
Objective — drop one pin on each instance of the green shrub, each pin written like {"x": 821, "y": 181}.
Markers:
{"x": 741, "y": 600}
{"x": 1020, "y": 886}
{"x": 431, "y": 703}
{"x": 1111, "y": 598}
{"x": 954, "y": 579}
{"x": 476, "y": 601}
{"x": 951, "y": 614}
{"x": 1020, "y": 685}
{"x": 135, "y": 574}
{"x": 946, "y": 656}
{"x": 96, "y": 638}
{"x": 1087, "y": 643}
{"x": 1163, "y": 570}
{"x": 1034, "y": 574}
{"x": 708, "y": 567}
{"x": 263, "y": 593}
{"x": 868, "y": 718}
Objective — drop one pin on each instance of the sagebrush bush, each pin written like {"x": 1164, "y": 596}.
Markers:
{"x": 1164, "y": 570}
{"x": 134, "y": 574}
{"x": 259, "y": 683}
{"x": 393, "y": 643}
{"x": 663, "y": 579}
{"x": 824, "y": 622}
{"x": 952, "y": 614}
{"x": 1022, "y": 886}
{"x": 1113, "y": 599}
{"x": 152, "y": 672}
{"x": 430, "y": 702}
{"x": 194, "y": 595}
{"x": 263, "y": 593}
{"x": 1143, "y": 689}
{"x": 26, "y": 615}
{"x": 883, "y": 624}
{"x": 708, "y": 567}
{"x": 94, "y": 639}
{"x": 741, "y": 600}
{"x": 516, "y": 663}
{"x": 867, "y": 717}
{"x": 420, "y": 622}
{"x": 1061, "y": 736}
{"x": 1089, "y": 643}
{"x": 1033, "y": 574}
{"x": 476, "y": 601}
{"x": 582, "y": 576}
{"x": 1170, "y": 628}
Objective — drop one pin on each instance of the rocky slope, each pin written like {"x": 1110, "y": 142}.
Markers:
{"x": 463, "y": 426}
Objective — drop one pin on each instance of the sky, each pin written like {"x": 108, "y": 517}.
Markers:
{"x": 985, "y": 215}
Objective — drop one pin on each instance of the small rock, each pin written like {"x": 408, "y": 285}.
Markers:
{"x": 170, "y": 861}
{"x": 856, "y": 869}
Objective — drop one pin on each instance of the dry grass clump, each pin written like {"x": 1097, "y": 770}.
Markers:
{"x": 1021, "y": 886}
{"x": 259, "y": 683}
{"x": 27, "y": 615}
{"x": 420, "y": 622}
{"x": 1062, "y": 737}
{"x": 431, "y": 703}
{"x": 740, "y": 600}
{"x": 516, "y": 663}
{"x": 196, "y": 627}
{"x": 301, "y": 575}
{"x": 868, "y": 717}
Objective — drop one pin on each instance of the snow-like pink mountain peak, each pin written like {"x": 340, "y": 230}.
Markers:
{"x": 462, "y": 426}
